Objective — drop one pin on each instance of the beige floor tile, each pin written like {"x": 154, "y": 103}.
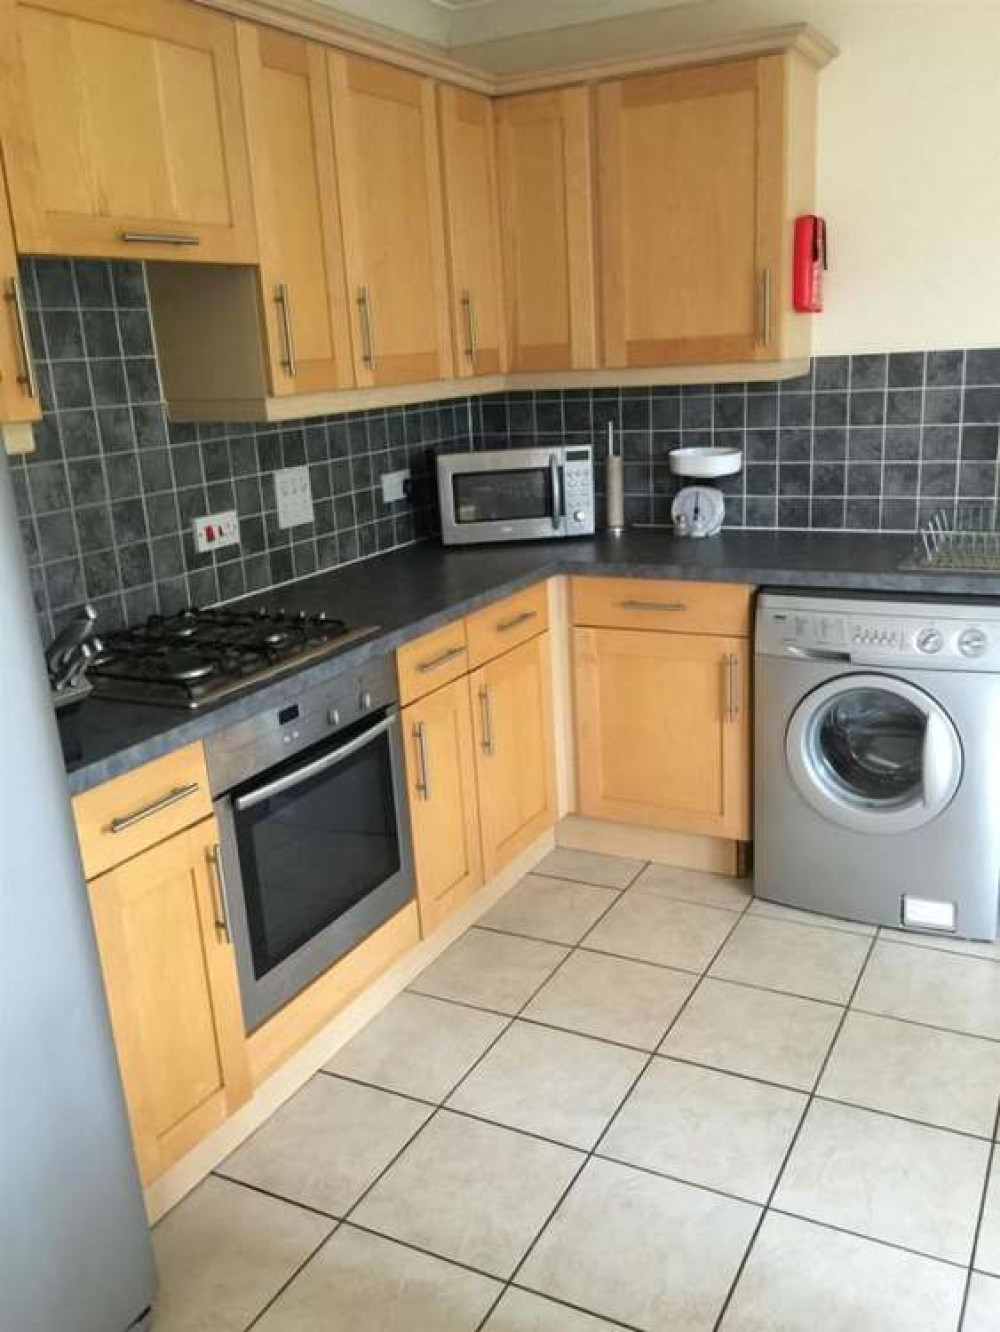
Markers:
{"x": 802, "y": 1276}
{"x": 988, "y": 1248}
{"x": 589, "y": 867}
{"x": 777, "y": 1037}
{"x": 655, "y": 929}
{"x": 686, "y": 885}
{"x": 470, "y": 1191}
{"x": 224, "y": 1252}
{"x": 925, "y": 985}
{"x": 418, "y": 1046}
{"x": 553, "y": 1083}
{"x": 521, "y": 1311}
{"x": 492, "y": 970}
{"x": 705, "y": 1127}
{"x": 982, "y": 1311}
{"x": 363, "y": 1283}
{"x": 326, "y": 1145}
{"x": 943, "y": 944}
{"x": 888, "y": 1179}
{"x": 552, "y": 909}
{"x": 650, "y": 1252}
{"x": 778, "y": 911}
{"x": 934, "y": 1076}
{"x": 613, "y": 998}
{"x": 816, "y": 964}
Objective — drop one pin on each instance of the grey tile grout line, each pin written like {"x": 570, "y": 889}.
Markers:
{"x": 741, "y": 1268}
{"x": 993, "y": 1156}
{"x": 590, "y": 1155}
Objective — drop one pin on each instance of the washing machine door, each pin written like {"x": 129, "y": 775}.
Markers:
{"x": 874, "y": 754}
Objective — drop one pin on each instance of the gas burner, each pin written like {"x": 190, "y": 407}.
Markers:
{"x": 197, "y": 656}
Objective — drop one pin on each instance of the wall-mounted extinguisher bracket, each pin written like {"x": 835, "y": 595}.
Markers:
{"x": 809, "y": 263}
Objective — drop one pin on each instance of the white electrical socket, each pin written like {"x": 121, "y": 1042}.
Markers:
{"x": 294, "y": 495}
{"x": 394, "y": 485}
{"x": 216, "y": 530}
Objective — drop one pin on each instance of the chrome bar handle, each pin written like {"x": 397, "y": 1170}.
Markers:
{"x": 222, "y": 901}
{"x": 472, "y": 328}
{"x": 732, "y": 664}
{"x": 555, "y": 477}
{"x": 283, "y": 302}
{"x": 120, "y": 824}
{"x": 764, "y": 324}
{"x": 178, "y": 238}
{"x": 505, "y": 626}
{"x": 423, "y": 772}
{"x": 487, "y": 716}
{"x": 313, "y": 769}
{"x": 630, "y": 603}
{"x": 367, "y": 327}
{"x": 432, "y": 663}
{"x": 27, "y": 375}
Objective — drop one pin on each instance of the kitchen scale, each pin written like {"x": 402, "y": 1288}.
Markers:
{"x": 700, "y": 510}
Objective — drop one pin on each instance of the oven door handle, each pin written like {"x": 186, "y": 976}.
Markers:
{"x": 317, "y": 766}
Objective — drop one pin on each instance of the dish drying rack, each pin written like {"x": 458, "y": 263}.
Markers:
{"x": 966, "y": 542}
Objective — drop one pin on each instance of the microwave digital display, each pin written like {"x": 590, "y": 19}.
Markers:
{"x": 491, "y": 497}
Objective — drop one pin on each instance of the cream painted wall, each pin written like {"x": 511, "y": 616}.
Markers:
{"x": 909, "y": 153}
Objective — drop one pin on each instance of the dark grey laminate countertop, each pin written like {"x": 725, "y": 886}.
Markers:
{"x": 416, "y": 589}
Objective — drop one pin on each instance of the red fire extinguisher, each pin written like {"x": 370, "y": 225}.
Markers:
{"x": 810, "y": 263}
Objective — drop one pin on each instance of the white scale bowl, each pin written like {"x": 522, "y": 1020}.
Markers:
{"x": 705, "y": 462}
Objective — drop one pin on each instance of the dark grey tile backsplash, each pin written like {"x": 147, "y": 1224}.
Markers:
{"x": 872, "y": 442}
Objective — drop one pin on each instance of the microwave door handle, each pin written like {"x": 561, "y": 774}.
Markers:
{"x": 555, "y": 474}
{"x": 313, "y": 769}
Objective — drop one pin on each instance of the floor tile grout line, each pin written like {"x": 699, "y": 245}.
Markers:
{"x": 741, "y": 1268}
{"x": 992, "y": 1157}
{"x": 893, "y": 941}
{"x": 869, "y": 1239}
{"x": 565, "y": 1304}
{"x": 285, "y": 1284}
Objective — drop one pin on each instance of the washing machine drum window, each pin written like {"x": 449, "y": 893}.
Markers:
{"x": 874, "y": 754}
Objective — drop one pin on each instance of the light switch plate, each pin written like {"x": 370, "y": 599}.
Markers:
{"x": 294, "y": 495}
{"x": 394, "y": 485}
{"x": 215, "y": 530}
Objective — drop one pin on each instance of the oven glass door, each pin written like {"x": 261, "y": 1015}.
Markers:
{"x": 323, "y": 857}
{"x": 503, "y": 496}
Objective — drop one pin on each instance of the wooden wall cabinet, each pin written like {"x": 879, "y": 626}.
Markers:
{"x": 444, "y": 813}
{"x": 19, "y": 400}
{"x": 170, "y": 978}
{"x": 545, "y": 149}
{"x": 515, "y": 762}
{"x": 702, "y": 172}
{"x": 388, "y": 168}
{"x": 130, "y": 142}
{"x": 662, "y": 698}
{"x": 472, "y": 226}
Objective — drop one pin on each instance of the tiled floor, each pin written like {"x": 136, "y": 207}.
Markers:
{"x": 629, "y": 1098}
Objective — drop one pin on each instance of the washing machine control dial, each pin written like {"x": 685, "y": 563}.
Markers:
{"x": 973, "y": 642}
{"x": 930, "y": 640}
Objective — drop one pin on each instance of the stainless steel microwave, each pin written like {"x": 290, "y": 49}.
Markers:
{"x": 516, "y": 494}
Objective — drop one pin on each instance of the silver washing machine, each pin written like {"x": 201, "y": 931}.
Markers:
{"x": 877, "y": 760}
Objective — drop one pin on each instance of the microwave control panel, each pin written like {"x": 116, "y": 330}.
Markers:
{"x": 578, "y": 480}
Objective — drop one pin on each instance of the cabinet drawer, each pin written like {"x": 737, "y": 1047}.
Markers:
{"x": 662, "y": 604}
{"x": 507, "y": 623}
{"x": 122, "y": 817}
{"x": 432, "y": 660}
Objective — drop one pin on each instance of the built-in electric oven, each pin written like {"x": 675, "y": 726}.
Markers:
{"x": 315, "y": 842}
{"x": 515, "y": 494}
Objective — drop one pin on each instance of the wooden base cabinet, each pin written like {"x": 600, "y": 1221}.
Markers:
{"x": 515, "y": 761}
{"x": 170, "y": 977}
{"x": 444, "y": 811}
{"x": 663, "y": 735}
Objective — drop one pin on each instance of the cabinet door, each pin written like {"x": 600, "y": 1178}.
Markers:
{"x": 662, "y": 730}
{"x": 170, "y": 977}
{"x": 546, "y": 187}
{"x": 512, "y": 720}
{"x": 19, "y": 399}
{"x": 444, "y": 815}
{"x": 301, "y": 248}
{"x": 472, "y": 219}
{"x": 690, "y": 171}
{"x": 388, "y": 168}
{"x": 131, "y": 140}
